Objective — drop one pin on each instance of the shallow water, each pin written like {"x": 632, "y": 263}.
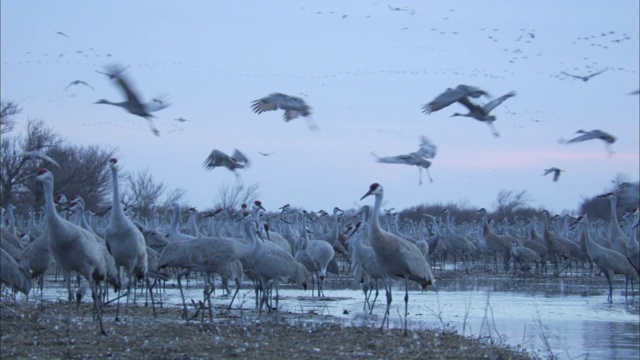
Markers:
{"x": 569, "y": 318}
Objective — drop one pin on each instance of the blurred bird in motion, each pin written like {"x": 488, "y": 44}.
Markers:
{"x": 451, "y": 96}
{"x": 481, "y": 112}
{"x": 418, "y": 158}
{"x": 217, "y": 158}
{"x": 133, "y": 103}
{"x": 556, "y": 172}
{"x": 593, "y": 134}
{"x": 293, "y": 107}
{"x": 39, "y": 155}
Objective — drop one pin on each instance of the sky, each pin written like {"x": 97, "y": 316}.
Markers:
{"x": 365, "y": 68}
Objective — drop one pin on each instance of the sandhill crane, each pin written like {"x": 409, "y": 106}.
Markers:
{"x": 12, "y": 275}
{"x": 207, "y": 254}
{"x": 397, "y": 257}
{"x": 133, "y": 103}
{"x": 609, "y": 261}
{"x": 124, "y": 240}
{"x": 181, "y": 119}
{"x": 293, "y": 107}
{"x": 451, "y": 96}
{"x": 366, "y": 258}
{"x": 481, "y": 112}
{"x": 272, "y": 264}
{"x": 321, "y": 253}
{"x": 619, "y": 240}
{"x": 73, "y": 247}
{"x": 557, "y": 246}
{"x": 36, "y": 259}
{"x": 522, "y": 256}
{"x": 585, "y": 77}
{"x": 419, "y": 158}
{"x": 217, "y": 158}
{"x": 174, "y": 233}
{"x": 498, "y": 244}
{"x": 553, "y": 170}
{"x": 590, "y": 135}
{"x": 78, "y": 82}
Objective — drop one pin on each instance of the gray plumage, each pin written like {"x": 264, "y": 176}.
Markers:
{"x": 293, "y": 107}
{"x": 482, "y": 112}
{"x": 555, "y": 171}
{"x": 12, "y": 275}
{"x": 451, "y": 96}
{"x": 78, "y": 82}
{"x": 590, "y": 135}
{"x": 584, "y": 77}
{"x": 397, "y": 257}
{"x": 218, "y": 158}
{"x": 420, "y": 158}
{"x": 133, "y": 103}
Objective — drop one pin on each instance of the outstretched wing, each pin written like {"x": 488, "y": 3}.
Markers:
{"x": 596, "y": 73}
{"x": 427, "y": 148}
{"x": 40, "y": 155}
{"x": 573, "y": 76}
{"x": 215, "y": 159}
{"x": 443, "y": 100}
{"x": 158, "y": 103}
{"x": 399, "y": 159}
{"x": 497, "y": 101}
{"x": 240, "y": 157}
{"x": 267, "y": 103}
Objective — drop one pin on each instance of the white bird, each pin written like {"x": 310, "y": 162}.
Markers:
{"x": 419, "y": 158}
{"x": 556, "y": 172}
{"x": 78, "y": 82}
{"x": 450, "y": 96}
{"x": 585, "y": 77}
{"x": 481, "y": 112}
{"x": 293, "y": 107}
{"x": 134, "y": 103}
{"x": 397, "y": 257}
{"x": 40, "y": 155}
{"x": 217, "y": 158}
{"x": 590, "y": 135}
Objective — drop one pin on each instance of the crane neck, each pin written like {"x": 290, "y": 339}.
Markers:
{"x": 116, "y": 207}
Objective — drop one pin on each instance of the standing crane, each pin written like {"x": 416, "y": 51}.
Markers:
{"x": 397, "y": 257}
{"x": 72, "y": 247}
{"x": 125, "y": 241}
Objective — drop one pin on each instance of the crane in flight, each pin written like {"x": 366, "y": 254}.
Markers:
{"x": 133, "y": 103}
{"x": 419, "y": 158}
{"x": 481, "y": 112}
{"x": 590, "y": 135}
{"x": 451, "y": 96}
{"x": 553, "y": 170}
{"x": 293, "y": 107}
{"x": 78, "y": 82}
{"x": 218, "y": 158}
{"x": 585, "y": 77}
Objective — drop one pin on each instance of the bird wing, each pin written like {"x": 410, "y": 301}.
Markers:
{"x": 556, "y": 174}
{"x": 399, "y": 159}
{"x": 584, "y": 137}
{"x": 473, "y": 91}
{"x": 497, "y": 101}
{"x": 473, "y": 108}
{"x": 125, "y": 86}
{"x": 267, "y": 103}
{"x": 240, "y": 157}
{"x": 427, "y": 148}
{"x": 215, "y": 159}
{"x": 84, "y": 83}
{"x": 40, "y": 155}
{"x": 443, "y": 100}
{"x": 547, "y": 171}
{"x": 573, "y": 76}
{"x": 595, "y": 73}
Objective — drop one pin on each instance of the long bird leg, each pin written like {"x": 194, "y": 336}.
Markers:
{"x": 420, "y": 176}
{"x": 429, "y": 175}
{"x": 406, "y": 303}
{"x": 150, "y": 287}
{"x": 97, "y": 305}
{"x": 493, "y": 129}
{"x": 154, "y": 130}
{"x": 607, "y": 274}
{"x": 375, "y": 297}
{"x": 387, "y": 289}
{"x": 234, "y": 293}
{"x": 184, "y": 304}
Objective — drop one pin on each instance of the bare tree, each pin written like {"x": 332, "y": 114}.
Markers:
{"x": 143, "y": 192}
{"x": 14, "y": 170}
{"x": 8, "y": 109}
{"x": 230, "y": 197}
{"x": 508, "y": 201}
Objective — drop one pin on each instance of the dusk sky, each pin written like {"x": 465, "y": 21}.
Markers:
{"x": 365, "y": 68}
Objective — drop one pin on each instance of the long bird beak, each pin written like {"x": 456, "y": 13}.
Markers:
{"x": 365, "y": 195}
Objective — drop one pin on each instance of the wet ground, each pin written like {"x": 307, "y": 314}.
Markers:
{"x": 561, "y": 317}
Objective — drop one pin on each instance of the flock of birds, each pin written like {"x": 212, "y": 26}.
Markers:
{"x": 122, "y": 248}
